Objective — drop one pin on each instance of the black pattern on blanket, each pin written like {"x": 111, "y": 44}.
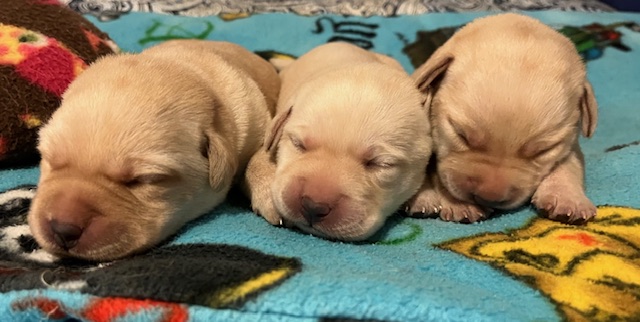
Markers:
{"x": 217, "y": 276}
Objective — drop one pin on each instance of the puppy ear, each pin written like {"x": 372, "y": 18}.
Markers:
{"x": 425, "y": 75}
{"x": 589, "y": 110}
{"x": 275, "y": 130}
{"x": 222, "y": 163}
{"x": 435, "y": 66}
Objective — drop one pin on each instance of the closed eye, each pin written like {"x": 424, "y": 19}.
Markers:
{"x": 543, "y": 151}
{"x": 539, "y": 149}
{"x": 463, "y": 138}
{"x": 379, "y": 163}
{"x": 461, "y": 135}
{"x": 297, "y": 143}
{"x": 146, "y": 179}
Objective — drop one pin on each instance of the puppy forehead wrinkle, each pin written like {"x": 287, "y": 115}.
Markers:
{"x": 548, "y": 137}
{"x": 377, "y": 148}
{"x": 148, "y": 163}
{"x": 362, "y": 136}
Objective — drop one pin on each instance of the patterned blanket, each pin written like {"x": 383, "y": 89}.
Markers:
{"x": 230, "y": 265}
{"x": 110, "y": 9}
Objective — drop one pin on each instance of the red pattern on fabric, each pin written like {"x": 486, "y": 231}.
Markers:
{"x": 582, "y": 238}
{"x": 52, "y": 308}
{"x": 3, "y": 145}
{"x": 112, "y": 308}
{"x": 94, "y": 40}
{"x": 29, "y": 49}
{"x": 50, "y": 67}
{"x": 104, "y": 309}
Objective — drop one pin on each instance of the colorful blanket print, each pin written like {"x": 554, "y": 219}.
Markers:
{"x": 230, "y": 265}
{"x": 110, "y": 9}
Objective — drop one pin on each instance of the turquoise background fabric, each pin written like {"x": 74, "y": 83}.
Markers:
{"x": 400, "y": 275}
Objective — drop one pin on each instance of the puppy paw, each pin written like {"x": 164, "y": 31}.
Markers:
{"x": 269, "y": 214}
{"x": 271, "y": 217}
{"x": 571, "y": 208}
{"x": 265, "y": 208}
{"x": 462, "y": 212}
{"x": 430, "y": 203}
{"x": 425, "y": 203}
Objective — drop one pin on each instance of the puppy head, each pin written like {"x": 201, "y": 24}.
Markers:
{"x": 125, "y": 160}
{"x": 350, "y": 150}
{"x": 506, "y": 108}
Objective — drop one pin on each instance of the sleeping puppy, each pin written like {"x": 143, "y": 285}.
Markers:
{"x": 347, "y": 147}
{"x": 144, "y": 143}
{"x": 509, "y": 96}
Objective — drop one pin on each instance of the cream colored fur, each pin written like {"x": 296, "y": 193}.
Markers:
{"x": 349, "y": 144}
{"x": 509, "y": 97}
{"x": 144, "y": 143}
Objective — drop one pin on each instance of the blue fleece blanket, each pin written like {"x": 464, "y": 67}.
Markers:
{"x": 515, "y": 267}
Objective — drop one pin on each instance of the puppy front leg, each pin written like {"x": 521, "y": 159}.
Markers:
{"x": 260, "y": 173}
{"x": 561, "y": 194}
{"x": 434, "y": 200}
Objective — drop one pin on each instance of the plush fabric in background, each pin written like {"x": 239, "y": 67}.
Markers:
{"x": 514, "y": 267}
{"x": 43, "y": 47}
{"x": 109, "y": 9}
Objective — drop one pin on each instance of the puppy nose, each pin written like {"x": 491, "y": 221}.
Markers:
{"x": 314, "y": 211}
{"x": 65, "y": 235}
{"x": 489, "y": 203}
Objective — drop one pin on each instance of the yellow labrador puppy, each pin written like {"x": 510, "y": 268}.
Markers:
{"x": 144, "y": 143}
{"x": 350, "y": 143}
{"x": 509, "y": 96}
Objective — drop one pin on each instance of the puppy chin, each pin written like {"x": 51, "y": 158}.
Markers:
{"x": 346, "y": 220}
{"x": 349, "y": 233}
{"x": 511, "y": 194}
{"x": 347, "y": 229}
